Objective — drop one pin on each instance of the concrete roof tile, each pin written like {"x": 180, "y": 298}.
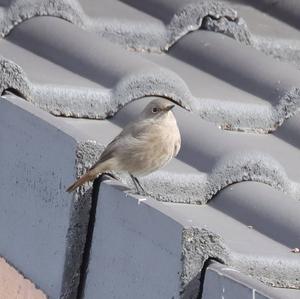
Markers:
{"x": 88, "y": 59}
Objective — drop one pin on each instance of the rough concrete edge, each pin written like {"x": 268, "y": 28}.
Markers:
{"x": 250, "y": 166}
{"x": 250, "y": 117}
{"x": 280, "y": 49}
{"x": 236, "y": 28}
{"x": 233, "y": 168}
{"x": 36, "y": 287}
{"x": 158, "y": 37}
{"x": 286, "y": 50}
{"x": 102, "y": 103}
{"x": 13, "y": 77}
{"x": 214, "y": 16}
{"x": 199, "y": 245}
{"x": 271, "y": 271}
{"x": 242, "y": 279}
{"x": 21, "y": 10}
{"x": 191, "y": 17}
{"x": 87, "y": 153}
{"x": 75, "y": 238}
{"x": 50, "y": 121}
{"x": 196, "y": 188}
{"x": 153, "y": 37}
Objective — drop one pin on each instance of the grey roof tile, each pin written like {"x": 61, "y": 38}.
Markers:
{"x": 140, "y": 26}
{"x": 225, "y": 281}
{"x": 180, "y": 18}
{"x": 40, "y": 233}
{"x": 289, "y": 131}
{"x": 206, "y": 232}
{"x": 280, "y": 90}
{"x": 262, "y": 23}
{"x": 203, "y": 93}
{"x": 86, "y": 68}
{"x": 56, "y": 40}
{"x": 222, "y": 157}
{"x": 32, "y": 63}
{"x": 271, "y": 33}
{"x": 116, "y": 11}
{"x": 251, "y": 203}
{"x": 286, "y": 10}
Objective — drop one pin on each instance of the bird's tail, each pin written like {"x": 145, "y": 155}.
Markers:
{"x": 89, "y": 176}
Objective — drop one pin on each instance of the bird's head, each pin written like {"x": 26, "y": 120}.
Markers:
{"x": 157, "y": 108}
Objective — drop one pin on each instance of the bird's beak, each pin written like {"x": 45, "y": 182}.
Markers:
{"x": 168, "y": 108}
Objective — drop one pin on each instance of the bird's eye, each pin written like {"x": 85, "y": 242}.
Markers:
{"x": 154, "y": 110}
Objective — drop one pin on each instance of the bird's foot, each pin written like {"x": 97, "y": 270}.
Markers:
{"x": 138, "y": 187}
{"x": 133, "y": 191}
{"x": 143, "y": 193}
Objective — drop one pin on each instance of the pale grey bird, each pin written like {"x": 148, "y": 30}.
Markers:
{"x": 142, "y": 147}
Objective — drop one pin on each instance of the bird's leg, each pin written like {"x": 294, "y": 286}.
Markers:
{"x": 137, "y": 185}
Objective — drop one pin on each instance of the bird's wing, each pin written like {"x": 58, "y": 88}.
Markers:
{"x": 128, "y": 137}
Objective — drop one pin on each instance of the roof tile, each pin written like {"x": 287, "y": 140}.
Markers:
{"x": 236, "y": 176}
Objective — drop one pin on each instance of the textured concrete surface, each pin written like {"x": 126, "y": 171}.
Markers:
{"x": 158, "y": 36}
{"x": 273, "y": 27}
{"x": 14, "y": 285}
{"x": 225, "y": 282}
{"x": 286, "y": 10}
{"x": 135, "y": 250}
{"x": 221, "y": 159}
{"x": 119, "y": 76}
{"x": 246, "y": 202}
{"x": 160, "y": 24}
{"x": 197, "y": 234}
{"x": 232, "y": 194}
{"x": 42, "y": 227}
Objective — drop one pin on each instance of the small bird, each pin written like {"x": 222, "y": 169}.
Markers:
{"x": 142, "y": 147}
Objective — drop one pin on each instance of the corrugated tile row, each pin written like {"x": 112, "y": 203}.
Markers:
{"x": 84, "y": 61}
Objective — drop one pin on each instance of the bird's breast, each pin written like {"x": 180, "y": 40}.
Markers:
{"x": 155, "y": 149}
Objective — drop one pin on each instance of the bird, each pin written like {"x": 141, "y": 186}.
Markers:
{"x": 144, "y": 146}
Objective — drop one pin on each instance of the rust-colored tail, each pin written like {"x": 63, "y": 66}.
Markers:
{"x": 89, "y": 176}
